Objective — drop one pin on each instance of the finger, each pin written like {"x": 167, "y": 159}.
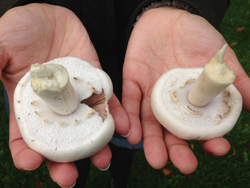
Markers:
{"x": 180, "y": 154}
{"x": 154, "y": 147}
{"x": 153, "y": 143}
{"x": 64, "y": 174}
{"x": 131, "y": 99}
{"x": 119, "y": 115}
{"x": 102, "y": 158}
{"x": 23, "y": 157}
{"x": 242, "y": 83}
{"x": 216, "y": 146}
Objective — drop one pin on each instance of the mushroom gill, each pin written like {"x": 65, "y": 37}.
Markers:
{"x": 98, "y": 103}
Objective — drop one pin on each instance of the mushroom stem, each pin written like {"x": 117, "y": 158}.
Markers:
{"x": 51, "y": 83}
{"x": 215, "y": 77}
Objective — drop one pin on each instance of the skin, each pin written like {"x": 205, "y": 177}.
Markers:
{"x": 39, "y": 33}
{"x": 163, "y": 39}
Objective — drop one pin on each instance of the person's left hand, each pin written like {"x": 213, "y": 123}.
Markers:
{"x": 163, "y": 39}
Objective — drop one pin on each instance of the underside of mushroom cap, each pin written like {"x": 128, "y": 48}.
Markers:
{"x": 71, "y": 137}
{"x": 172, "y": 109}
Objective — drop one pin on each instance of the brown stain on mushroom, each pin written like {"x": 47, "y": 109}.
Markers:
{"x": 98, "y": 103}
{"x": 189, "y": 81}
{"x": 91, "y": 113}
{"x": 76, "y": 122}
{"x": 94, "y": 90}
{"x": 45, "y": 120}
{"x": 174, "y": 95}
{"x": 37, "y": 113}
{"x": 198, "y": 138}
{"x": 228, "y": 109}
{"x": 35, "y": 103}
{"x": 223, "y": 115}
{"x": 62, "y": 124}
{"x": 228, "y": 94}
{"x": 193, "y": 111}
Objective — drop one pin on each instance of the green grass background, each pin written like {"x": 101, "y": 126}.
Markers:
{"x": 231, "y": 170}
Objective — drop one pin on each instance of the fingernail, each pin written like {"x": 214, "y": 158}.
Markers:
{"x": 26, "y": 169}
{"x": 104, "y": 169}
{"x": 67, "y": 187}
{"x": 126, "y": 135}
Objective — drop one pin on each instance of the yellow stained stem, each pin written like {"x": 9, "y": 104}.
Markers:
{"x": 215, "y": 77}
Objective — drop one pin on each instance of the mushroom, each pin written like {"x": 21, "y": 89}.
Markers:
{"x": 61, "y": 109}
{"x": 198, "y": 103}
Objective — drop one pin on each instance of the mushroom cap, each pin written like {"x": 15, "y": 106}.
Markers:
{"x": 172, "y": 109}
{"x": 71, "y": 137}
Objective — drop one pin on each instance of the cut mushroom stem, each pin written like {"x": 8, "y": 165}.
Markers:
{"x": 215, "y": 77}
{"x": 51, "y": 83}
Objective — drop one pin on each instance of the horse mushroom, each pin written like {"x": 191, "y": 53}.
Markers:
{"x": 61, "y": 109}
{"x": 195, "y": 108}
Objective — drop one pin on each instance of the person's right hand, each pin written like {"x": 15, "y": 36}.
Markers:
{"x": 163, "y": 39}
{"x": 37, "y": 33}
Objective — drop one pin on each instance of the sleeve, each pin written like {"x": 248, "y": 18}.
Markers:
{"x": 5, "y": 5}
{"x": 212, "y": 10}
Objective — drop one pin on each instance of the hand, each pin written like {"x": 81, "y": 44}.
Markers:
{"x": 38, "y": 33}
{"x": 163, "y": 39}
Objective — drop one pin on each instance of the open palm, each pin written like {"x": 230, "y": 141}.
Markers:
{"x": 37, "y": 33}
{"x": 163, "y": 39}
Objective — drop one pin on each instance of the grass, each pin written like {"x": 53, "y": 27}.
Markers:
{"x": 231, "y": 170}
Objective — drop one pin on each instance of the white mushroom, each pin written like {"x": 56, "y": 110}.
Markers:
{"x": 61, "y": 109}
{"x": 197, "y": 103}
